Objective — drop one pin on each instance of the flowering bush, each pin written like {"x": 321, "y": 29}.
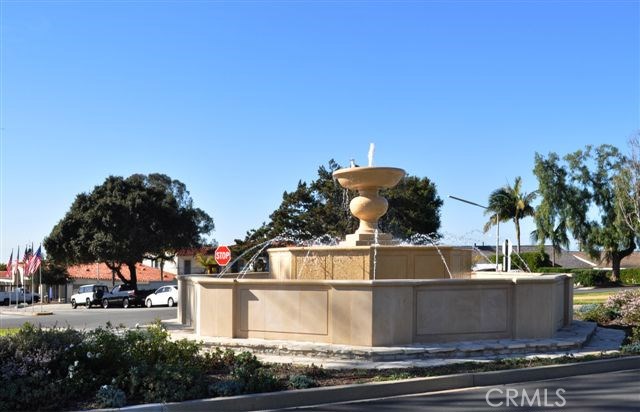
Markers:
{"x": 625, "y": 307}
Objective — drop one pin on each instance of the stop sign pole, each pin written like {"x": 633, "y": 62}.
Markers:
{"x": 222, "y": 255}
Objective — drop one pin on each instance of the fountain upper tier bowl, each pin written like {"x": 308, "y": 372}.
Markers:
{"x": 357, "y": 178}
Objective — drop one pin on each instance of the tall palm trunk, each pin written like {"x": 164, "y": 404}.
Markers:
{"x": 516, "y": 221}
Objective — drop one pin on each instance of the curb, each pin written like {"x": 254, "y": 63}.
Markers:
{"x": 7, "y": 312}
{"x": 358, "y": 392}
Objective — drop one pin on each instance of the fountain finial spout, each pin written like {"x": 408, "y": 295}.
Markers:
{"x": 372, "y": 148}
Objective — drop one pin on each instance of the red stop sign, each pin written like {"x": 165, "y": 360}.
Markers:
{"x": 222, "y": 255}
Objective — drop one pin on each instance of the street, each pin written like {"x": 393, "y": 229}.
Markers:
{"x": 613, "y": 391}
{"x": 82, "y": 318}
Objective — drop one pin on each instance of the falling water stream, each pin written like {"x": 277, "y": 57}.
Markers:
{"x": 375, "y": 252}
{"x": 422, "y": 239}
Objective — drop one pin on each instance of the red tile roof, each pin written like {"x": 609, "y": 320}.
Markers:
{"x": 100, "y": 271}
{"x": 205, "y": 250}
{"x": 4, "y": 274}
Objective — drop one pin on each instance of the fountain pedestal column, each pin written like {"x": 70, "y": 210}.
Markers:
{"x": 368, "y": 206}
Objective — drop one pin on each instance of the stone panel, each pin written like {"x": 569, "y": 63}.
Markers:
{"x": 351, "y": 316}
{"x": 352, "y": 265}
{"x": 215, "y": 306}
{"x": 283, "y": 311}
{"x": 391, "y": 266}
{"x": 311, "y": 266}
{"x": 392, "y": 315}
{"x": 461, "y": 311}
{"x": 558, "y": 307}
{"x": 429, "y": 266}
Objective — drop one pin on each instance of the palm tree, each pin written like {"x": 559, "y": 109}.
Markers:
{"x": 208, "y": 262}
{"x": 547, "y": 228}
{"x": 510, "y": 203}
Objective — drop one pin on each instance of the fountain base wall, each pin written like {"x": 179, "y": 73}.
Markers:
{"x": 377, "y": 313}
{"x": 357, "y": 262}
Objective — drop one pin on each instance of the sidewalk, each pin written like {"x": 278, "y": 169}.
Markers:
{"x": 32, "y": 310}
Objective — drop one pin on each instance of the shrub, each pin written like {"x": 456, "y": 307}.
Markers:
{"x": 314, "y": 371}
{"x": 635, "y": 335}
{"x": 301, "y": 382}
{"x": 595, "y": 313}
{"x": 225, "y": 388}
{"x": 630, "y": 276}
{"x": 249, "y": 372}
{"x": 109, "y": 396}
{"x": 51, "y": 369}
{"x": 590, "y": 277}
{"x": 34, "y": 368}
{"x": 532, "y": 260}
{"x": 631, "y": 348}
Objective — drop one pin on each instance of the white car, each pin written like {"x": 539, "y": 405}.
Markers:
{"x": 88, "y": 295}
{"x": 166, "y": 295}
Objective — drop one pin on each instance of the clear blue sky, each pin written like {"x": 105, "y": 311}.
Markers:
{"x": 239, "y": 100}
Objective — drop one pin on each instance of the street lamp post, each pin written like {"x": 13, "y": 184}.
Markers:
{"x": 497, "y": 225}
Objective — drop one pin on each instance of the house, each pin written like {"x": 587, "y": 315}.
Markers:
{"x": 148, "y": 278}
{"x": 567, "y": 258}
{"x": 5, "y": 278}
{"x": 184, "y": 261}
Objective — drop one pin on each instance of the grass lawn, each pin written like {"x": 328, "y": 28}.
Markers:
{"x": 595, "y": 297}
{"x": 8, "y": 331}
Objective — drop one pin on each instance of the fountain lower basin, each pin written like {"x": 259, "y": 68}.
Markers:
{"x": 380, "y": 312}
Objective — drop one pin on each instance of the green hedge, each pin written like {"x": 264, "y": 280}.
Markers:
{"x": 547, "y": 269}
{"x": 595, "y": 277}
{"x": 534, "y": 260}
{"x": 630, "y": 276}
{"x": 590, "y": 277}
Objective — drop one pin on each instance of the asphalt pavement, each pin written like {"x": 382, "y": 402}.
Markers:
{"x": 62, "y": 315}
{"x": 611, "y": 392}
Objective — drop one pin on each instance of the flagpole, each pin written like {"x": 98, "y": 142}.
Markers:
{"x": 33, "y": 285}
{"x": 17, "y": 276}
{"x": 42, "y": 290}
{"x": 24, "y": 277}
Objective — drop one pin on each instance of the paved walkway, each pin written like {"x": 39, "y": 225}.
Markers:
{"x": 581, "y": 339}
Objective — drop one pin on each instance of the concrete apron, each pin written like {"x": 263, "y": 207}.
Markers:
{"x": 566, "y": 340}
{"x": 358, "y": 392}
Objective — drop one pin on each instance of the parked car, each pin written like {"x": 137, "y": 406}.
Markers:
{"x": 88, "y": 295}
{"x": 7, "y": 298}
{"x": 125, "y": 296}
{"x": 166, "y": 295}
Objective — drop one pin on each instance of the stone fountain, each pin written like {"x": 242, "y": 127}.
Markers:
{"x": 369, "y": 253}
{"x": 368, "y": 291}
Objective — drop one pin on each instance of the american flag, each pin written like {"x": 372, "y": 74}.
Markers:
{"x": 25, "y": 260}
{"x": 34, "y": 262}
{"x": 9, "y": 265}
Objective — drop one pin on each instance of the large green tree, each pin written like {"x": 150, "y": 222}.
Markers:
{"x": 52, "y": 273}
{"x": 321, "y": 208}
{"x": 125, "y": 219}
{"x": 579, "y": 196}
{"x": 627, "y": 187}
{"x": 510, "y": 203}
{"x": 414, "y": 208}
